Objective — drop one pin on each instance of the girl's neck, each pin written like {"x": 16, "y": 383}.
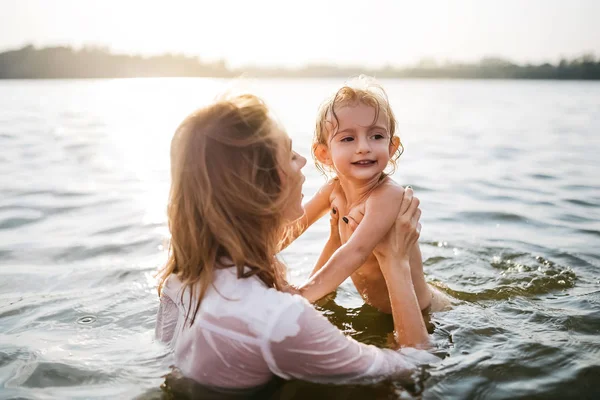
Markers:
{"x": 357, "y": 191}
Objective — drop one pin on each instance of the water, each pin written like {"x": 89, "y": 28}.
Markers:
{"x": 507, "y": 172}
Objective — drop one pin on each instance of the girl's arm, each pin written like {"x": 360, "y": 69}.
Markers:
{"x": 381, "y": 210}
{"x": 314, "y": 209}
{"x": 333, "y": 243}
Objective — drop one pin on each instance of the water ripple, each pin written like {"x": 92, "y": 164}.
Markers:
{"x": 510, "y": 213}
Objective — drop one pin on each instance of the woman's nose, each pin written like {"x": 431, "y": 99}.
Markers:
{"x": 302, "y": 162}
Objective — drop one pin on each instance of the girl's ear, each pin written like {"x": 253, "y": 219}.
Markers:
{"x": 322, "y": 154}
{"x": 394, "y": 144}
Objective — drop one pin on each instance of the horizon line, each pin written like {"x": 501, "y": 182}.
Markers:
{"x": 423, "y": 62}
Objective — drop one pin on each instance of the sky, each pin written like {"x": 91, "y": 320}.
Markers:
{"x": 369, "y": 33}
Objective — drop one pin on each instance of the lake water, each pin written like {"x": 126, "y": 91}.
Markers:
{"x": 508, "y": 173}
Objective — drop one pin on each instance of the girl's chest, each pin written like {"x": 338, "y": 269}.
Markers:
{"x": 344, "y": 209}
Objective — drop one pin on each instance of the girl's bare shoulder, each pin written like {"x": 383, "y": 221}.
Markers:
{"x": 388, "y": 189}
{"x": 335, "y": 190}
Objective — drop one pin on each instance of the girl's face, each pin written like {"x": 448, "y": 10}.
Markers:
{"x": 361, "y": 147}
{"x": 292, "y": 179}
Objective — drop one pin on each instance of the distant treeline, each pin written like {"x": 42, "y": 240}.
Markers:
{"x": 96, "y": 62}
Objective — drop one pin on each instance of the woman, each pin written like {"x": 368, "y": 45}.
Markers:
{"x": 236, "y": 186}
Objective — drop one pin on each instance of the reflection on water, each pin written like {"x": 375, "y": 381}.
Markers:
{"x": 506, "y": 172}
{"x": 177, "y": 387}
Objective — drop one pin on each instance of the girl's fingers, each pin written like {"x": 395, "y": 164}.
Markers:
{"x": 352, "y": 224}
{"x": 333, "y": 216}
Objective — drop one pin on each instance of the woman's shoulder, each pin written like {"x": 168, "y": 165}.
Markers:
{"x": 265, "y": 304}
{"x": 171, "y": 288}
{"x": 246, "y": 299}
{"x": 243, "y": 299}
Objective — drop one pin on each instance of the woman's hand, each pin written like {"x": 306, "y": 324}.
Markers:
{"x": 405, "y": 232}
{"x": 291, "y": 289}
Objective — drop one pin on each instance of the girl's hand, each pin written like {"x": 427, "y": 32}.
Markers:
{"x": 404, "y": 233}
{"x": 334, "y": 232}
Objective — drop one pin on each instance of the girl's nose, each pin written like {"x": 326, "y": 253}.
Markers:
{"x": 363, "y": 146}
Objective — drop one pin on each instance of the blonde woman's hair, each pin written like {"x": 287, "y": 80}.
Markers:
{"x": 226, "y": 199}
{"x": 359, "y": 90}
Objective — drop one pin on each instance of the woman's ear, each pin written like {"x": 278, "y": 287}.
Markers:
{"x": 322, "y": 154}
{"x": 394, "y": 145}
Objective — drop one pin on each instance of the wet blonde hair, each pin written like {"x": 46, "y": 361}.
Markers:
{"x": 360, "y": 90}
{"x": 227, "y": 198}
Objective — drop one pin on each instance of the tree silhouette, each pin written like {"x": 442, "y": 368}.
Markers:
{"x": 98, "y": 62}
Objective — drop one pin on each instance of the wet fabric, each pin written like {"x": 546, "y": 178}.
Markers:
{"x": 245, "y": 332}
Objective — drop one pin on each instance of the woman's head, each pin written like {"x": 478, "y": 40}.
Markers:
{"x": 235, "y": 185}
{"x": 360, "y": 104}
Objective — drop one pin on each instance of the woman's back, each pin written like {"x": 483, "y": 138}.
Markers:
{"x": 245, "y": 332}
{"x": 224, "y": 345}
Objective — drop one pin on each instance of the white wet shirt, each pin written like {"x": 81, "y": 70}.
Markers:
{"x": 245, "y": 332}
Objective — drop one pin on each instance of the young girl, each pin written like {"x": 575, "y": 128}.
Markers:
{"x": 356, "y": 139}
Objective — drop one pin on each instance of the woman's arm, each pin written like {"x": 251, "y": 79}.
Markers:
{"x": 408, "y": 321}
{"x": 166, "y": 319}
{"x": 418, "y": 277}
{"x": 315, "y": 350}
{"x": 393, "y": 255}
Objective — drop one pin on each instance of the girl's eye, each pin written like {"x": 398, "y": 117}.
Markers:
{"x": 294, "y": 156}
{"x": 378, "y": 136}
{"x": 347, "y": 139}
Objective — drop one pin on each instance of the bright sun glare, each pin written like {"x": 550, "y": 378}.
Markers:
{"x": 270, "y": 32}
